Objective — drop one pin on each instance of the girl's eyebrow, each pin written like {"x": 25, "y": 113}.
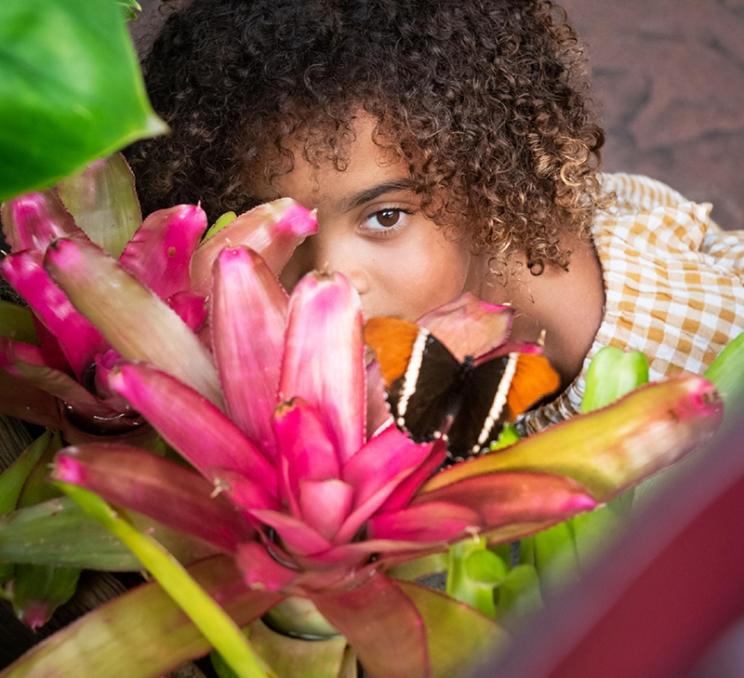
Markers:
{"x": 376, "y": 191}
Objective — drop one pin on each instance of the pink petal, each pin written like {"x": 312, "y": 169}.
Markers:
{"x": 34, "y": 220}
{"x": 510, "y": 347}
{"x": 159, "y": 253}
{"x": 382, "y": 625}
{"x": 389, "y": 455}
{"x": 273, "y": 230}
{"x": 427, "y": 523}
{"x": 325, "y": 504}
{"x": 296, "y": 535}
{"x": 488, "y": 325}
{"x": 77, "y": 337}
{"x": 261, "y": 571}
{"x": 305, "y": 451}
{"x": 376, "y": 471}
{"x": 405, "y": 491}
{"x": 244, "y": 492}
{"x": 168, "y": 492}
{"x": 324, "y": 356}
{"x": 249, "y": 316}
{"x": 137, "y": 323}
{"x": 190, "y": 423}
{"x": 191, "y": 308}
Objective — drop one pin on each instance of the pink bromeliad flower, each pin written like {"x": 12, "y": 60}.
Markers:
{"x": 289, "y": 479}
{"x": 60, "y": 381}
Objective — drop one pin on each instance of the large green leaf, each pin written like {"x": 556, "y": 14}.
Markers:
{"x": 58, "y": 532}
{"x": 459, "y": 638}
{"x": 142, "y": 633}
{"x": 70, "y": 90}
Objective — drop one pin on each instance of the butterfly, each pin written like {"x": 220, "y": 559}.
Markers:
{"x": 431, "y": 394}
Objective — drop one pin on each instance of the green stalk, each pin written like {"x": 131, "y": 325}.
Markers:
{"x": 207, "y": 615}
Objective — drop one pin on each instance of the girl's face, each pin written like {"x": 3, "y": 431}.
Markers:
{"x": 372, "y": 230}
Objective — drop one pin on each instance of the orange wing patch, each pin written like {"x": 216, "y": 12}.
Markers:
{"x": 533, "y": 379}
{"x": 392, "y": 341}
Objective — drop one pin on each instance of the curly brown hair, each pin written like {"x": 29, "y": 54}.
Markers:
{"x": 485, "y": 100}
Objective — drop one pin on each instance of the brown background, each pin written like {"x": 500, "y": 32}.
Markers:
{"x": 669, "y": 82}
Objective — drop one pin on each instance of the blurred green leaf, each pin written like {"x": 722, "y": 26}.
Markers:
{"x": 519, "y": 595}
{"x": 612, "y": 373}
{"x": 556, "y": 560}
{"x": 130, "y": 8}
{"x": 727, "y": 373}
{"x": 70, "y": 90}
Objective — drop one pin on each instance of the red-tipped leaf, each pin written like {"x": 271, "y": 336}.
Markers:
{"x": 161, "y": 489}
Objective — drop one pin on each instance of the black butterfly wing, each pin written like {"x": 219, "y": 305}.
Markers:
{"x": 421, "y": 400}
{"x": 483, "y": 407}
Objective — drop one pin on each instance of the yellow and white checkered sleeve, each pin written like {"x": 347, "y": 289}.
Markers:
{"x": 673, "y": 285}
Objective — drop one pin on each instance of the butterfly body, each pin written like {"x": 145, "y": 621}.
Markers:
{"x": 433, "y": 395}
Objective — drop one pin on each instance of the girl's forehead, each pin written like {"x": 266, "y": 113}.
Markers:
{"x": 366, "y": 164}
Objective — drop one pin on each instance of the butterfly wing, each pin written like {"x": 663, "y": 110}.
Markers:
{"x": 496, "y": 392}
{"x": 419, "y": 373}
{"x": 483, "y": 408}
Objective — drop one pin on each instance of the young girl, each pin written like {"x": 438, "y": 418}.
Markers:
{"x": 447, "y": 146}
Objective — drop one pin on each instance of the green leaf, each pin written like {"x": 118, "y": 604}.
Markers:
{"x": 143, "y": 632}
{"x": 727, "y": 373}
{"x": 556, "y": 560}
{"x": 519, "y": 595}
{"x": 508, "y": 436}
{"x": 14, "y": 477}
{"x": 17, "y": 322}
{"x": 291, "y": 656}
{"x": 594, "y": 530}
{"x": 206, "y": 614}
{"x": 612, "y": 373}
{"x": 70, "y": 90}
{"x": 458, "y": 637}
{"x": 217, "y": 226}
{"x": 58, "y": 532}
{"x": 38, "y": 590}
{"x": 473, "y": 574}
{"x": 130, "y": 8}
{"x": 103, "y": 201}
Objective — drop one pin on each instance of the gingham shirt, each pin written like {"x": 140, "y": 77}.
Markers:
{"x": 674, "y": 285}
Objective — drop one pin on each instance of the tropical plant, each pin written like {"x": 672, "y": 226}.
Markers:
{"x": 310, "y": 504}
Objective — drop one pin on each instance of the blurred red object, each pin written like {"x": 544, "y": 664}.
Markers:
{"x": 664, "y": 600}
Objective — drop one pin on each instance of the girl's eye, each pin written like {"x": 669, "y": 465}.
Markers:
{"x": 384, "y": 221}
